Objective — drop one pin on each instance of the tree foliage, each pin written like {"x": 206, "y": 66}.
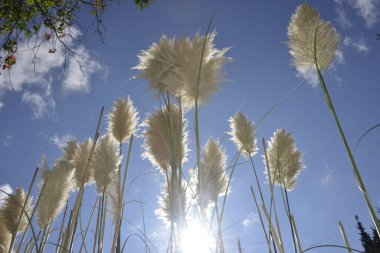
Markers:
{"x": 46, "y": 20}
{"x": 370, "y": 243}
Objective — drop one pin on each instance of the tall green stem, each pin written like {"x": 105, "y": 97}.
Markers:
{"x": 343, "y": 137}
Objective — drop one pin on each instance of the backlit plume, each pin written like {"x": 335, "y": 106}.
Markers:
{"x": 285, "y": 160}
{"x": 173, "y": 66}
{"x": 122, "y": 120}
{"x": 242, "y": 134}
{"x": 12, "y": 210}
{"x": 83, "y": 173}
{"x": 165, "y": 138}
{"x": 69, "y": 149}
{"x": 105, "y": 162}
{"x": 213, "y": 179}
{"x": 301, "y": 32}
{"x": 59, "y": 183}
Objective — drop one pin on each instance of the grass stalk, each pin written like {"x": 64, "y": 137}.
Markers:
{"x": 343, "y": 137}
{"x": 343, "y": 231}
{"x": 261, "y": 220}
{"x": 275, "y": 237}
{"x": 296, "y": 233}
{"x": 88, "y": 226}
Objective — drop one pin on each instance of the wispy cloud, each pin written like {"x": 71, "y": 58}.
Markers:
{"x": 41, "y": 103}
{"x": 328, "y": 178}
{"x": 366, "y": 9}
{"x": 6, "y": 188}
{"x": 60, "y": 141}
{"x": 79, "y": 71}
{"x": 308, "y": 74}
{"x": 6, "y": 138}
{"x": 249, "y": 219}
{"x": 36, "y": 68}
{"x": 360, "y": 45}
{"x": 342, "y": 14}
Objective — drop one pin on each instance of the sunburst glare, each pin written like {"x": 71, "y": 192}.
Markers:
{"x": 197, "y": 238}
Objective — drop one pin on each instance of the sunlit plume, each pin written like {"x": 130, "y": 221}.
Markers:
{"x": 173, "y": 66}
{"x": 123, "y": 119}
{"x": 12, "y": 210}
{"x": 301, "y": 32}
{"x": 170, "y": 201}
{"x": 83, "y": 173}
{"x": 69, "y": 149}
{"x": 165, "y": 141}
{"x": 242, "y": 134}
{"x": 5, "y": 236}
{"x": 213, "y": 180}
{"x": 285, "y": 160}
{"x": 59, "y": 183}
{"x": 105, "y": 162}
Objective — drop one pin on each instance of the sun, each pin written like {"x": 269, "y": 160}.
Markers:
{"x": 196, "y": 238}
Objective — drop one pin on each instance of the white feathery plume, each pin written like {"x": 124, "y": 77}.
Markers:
{"x": 157, "y": 65}
{"x": 5, "y": 236}
{"x": 105, "y": 162}
{"x": 83, "y": 173}
{"x": 123, "y": 119}
{"x": 301, "y": 32}
{"x": 113, "y": 197}
{"x": 12, "y": 210}
{"x": 285, "y": 160}
{"x": 69, "y": 149}
{"x": 168, "y": 202}
{"x": 243, "y": 134}
{"x": 59, "y": 183}
{"x": 173, "y": 66}
{"x": 213, "y": 182}
{"x": 190, "y": 59}
{"x": 165, "y": 141}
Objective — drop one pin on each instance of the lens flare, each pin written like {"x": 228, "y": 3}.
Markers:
{"x": 197, "y": 238}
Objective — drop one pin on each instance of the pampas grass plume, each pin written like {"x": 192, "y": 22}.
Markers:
{"x": 213, "y": 181}
{"x": 242, "y": 134}
{"x": 5, "y": 236}
{"x": 122, "y": 120}
{"x": 301, "y": 33}
{"x": 59, "y": 183}
{"x": 12, "y": 210}
{"x": 83, "y": 173}
{"x": 69, "y": 149}
{"x": 285, "y": 160}
{"x": 106, "y": 161}
{"x": 165, "y": 138}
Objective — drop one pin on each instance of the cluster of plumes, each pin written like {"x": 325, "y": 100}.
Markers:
{"x": 213, "y": 177}
{"x": 122, "y": 120}
{"x": 166, "y": 138}
{"x": 105, "y": 163}
{"x": 56, "y": 186}
{"x": 173, "y": 66}
{"x": 304, "y": 24}
{"x": 285, "y": 160}
{"x": 243, "y": 134}
{"x": 13, "y": 214}
{"x": 171, "y": 200}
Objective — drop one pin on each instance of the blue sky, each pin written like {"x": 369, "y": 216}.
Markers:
{"x": 53, "y": 103}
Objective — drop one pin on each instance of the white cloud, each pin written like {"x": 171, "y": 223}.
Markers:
{"x": 368, "y": 10}
{"x": 60, "y": 141}
{"x": 8, "y": 189}
{"x": 308, "y": 74}
{"x": 339, "y": 56}
{"x": 342, "y": 15}
{"x": 328, "y": 177}
{"x": 37, "y": 68}
{"x": 77, "y": 76}
{"x": 250, "y": 219}
{"x": 360, "y": 45}
{"x": 40, "y": 105}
